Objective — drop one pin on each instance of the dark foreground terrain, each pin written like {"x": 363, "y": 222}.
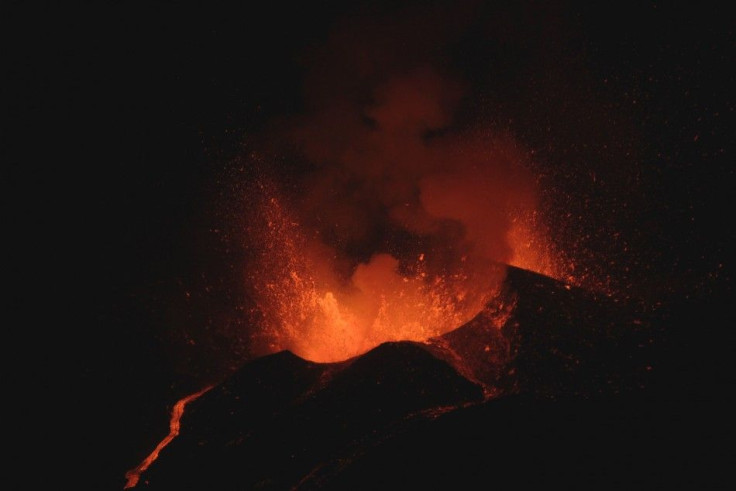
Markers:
{"x": 574, "y": 389}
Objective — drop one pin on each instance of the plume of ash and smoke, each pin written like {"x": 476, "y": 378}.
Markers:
{"x": 398, "y": 222}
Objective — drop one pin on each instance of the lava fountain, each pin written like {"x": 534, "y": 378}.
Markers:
{"x": 397, "y": 226}
{"x": 375, "y": 215}
{"x": 456, "y": 234}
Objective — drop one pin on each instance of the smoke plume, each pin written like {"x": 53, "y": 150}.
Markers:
{"x": 397, "y": 222}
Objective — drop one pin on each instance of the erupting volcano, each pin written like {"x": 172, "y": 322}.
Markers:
{"x": 283, "y": 422}
{"x": 396, "y": 232}
{"x": 397, "y": 228}
{"x": 308, "y": 307}
{"x": 444, "y": 234}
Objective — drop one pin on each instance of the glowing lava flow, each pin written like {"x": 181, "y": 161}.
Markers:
{"x": 134, "y": 475}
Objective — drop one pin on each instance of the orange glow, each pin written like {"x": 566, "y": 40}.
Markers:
{"x": 310, "y": 310}
{"x": 531, "y": 247}
{"x": 134, "y": 475}
{"x": 400, "y": 227}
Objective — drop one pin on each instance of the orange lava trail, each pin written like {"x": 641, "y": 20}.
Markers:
{"x": 174, "y": 425}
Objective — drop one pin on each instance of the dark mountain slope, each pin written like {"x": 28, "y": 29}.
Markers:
{"x": 551, "y": 384}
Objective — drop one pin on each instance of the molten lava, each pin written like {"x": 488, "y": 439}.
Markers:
{"x": 388, "y": 222}
{"x": 177, "y": 412}
{"x": 309, "y": 309}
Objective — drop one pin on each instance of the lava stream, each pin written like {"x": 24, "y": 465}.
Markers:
{"x": 134, "y": 475}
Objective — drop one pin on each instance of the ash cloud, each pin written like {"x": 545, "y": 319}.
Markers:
{"x": 409, "y": 206}
{"x": 392, "y": 168}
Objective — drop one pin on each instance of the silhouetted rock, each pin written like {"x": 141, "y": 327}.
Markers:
{"x": 475, "y": 402}
{"x": 552, "y": 340}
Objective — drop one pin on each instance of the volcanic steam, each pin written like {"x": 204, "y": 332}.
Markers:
{"x": 397, "y": 227}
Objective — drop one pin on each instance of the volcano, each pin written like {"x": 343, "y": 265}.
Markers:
{"x": 537, "y": 388}
{"x": 187, "y": 185}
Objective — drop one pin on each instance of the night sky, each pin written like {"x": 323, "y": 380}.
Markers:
{"x": 129, "y": 128}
